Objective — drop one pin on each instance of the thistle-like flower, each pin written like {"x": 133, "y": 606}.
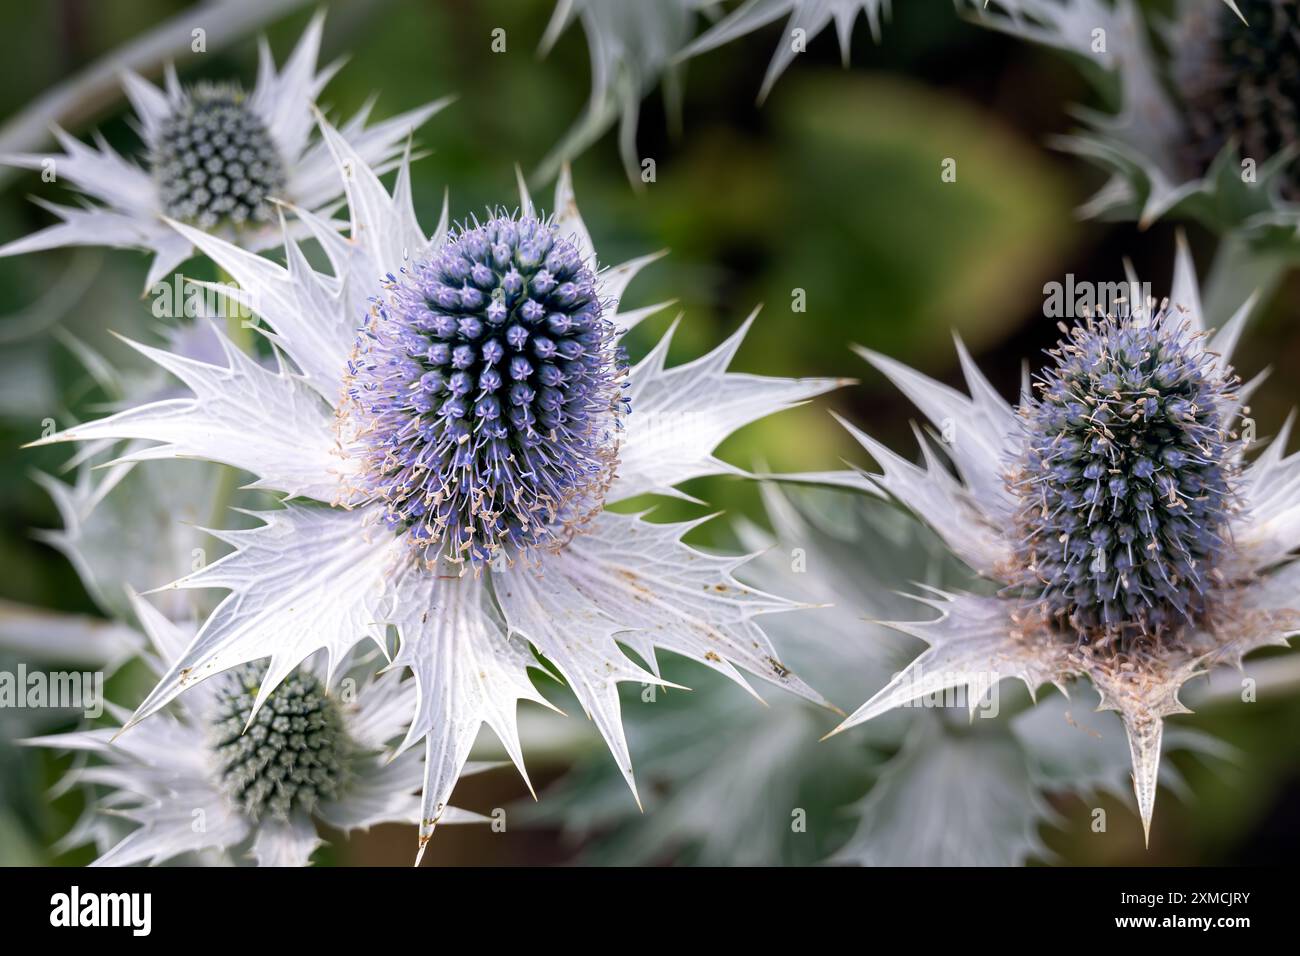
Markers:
{"x": 213, "y": 156}
{"x": 459, "y": 414}
{"x": 217, "y": 775}
{"x": 1206, "y": 128}
{"x": 1135, "y": 544}
{"x": 1124, "y": 482}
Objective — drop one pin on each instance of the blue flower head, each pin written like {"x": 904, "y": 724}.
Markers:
{"x": 488, "y": 388}
{"x": 1125, "y": 479}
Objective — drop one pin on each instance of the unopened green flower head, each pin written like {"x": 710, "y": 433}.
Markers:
{"x": 293, "y": 755}
{"x": 214, "y": 160}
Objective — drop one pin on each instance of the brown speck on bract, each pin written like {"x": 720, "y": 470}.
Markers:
{"x": 778, "y": 668}
{"x": 1069, "y": 719}
{"x": 631, "y": 577}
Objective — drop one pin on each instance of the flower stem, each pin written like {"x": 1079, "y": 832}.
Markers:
{"x": 239, "y": 328}
{"x": 240, "y": 332}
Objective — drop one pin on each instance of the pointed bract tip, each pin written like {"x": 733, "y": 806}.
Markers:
{"x": 839, "y": 728}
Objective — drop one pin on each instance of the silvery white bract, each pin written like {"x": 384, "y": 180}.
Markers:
{"x": 213, "y": 156}
{"x": 753, "y": 792}
{"x": 446, "y": 441}
{"x": 126, "y": 525}
{"x": 1206, "y": 128}
{"x": 726, "y": 797}
{"x": 209, "y": 775}
{"x": 807, "y": 19}
{"x": 130, "y": 525}
{"x": 632, "y": 45}
{"x": 1134, "y": 543}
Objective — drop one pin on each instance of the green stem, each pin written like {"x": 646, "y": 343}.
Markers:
{"x": 238, "y": 326}
{"x": 223, "y": 495}
{"x": 240, "y": 332}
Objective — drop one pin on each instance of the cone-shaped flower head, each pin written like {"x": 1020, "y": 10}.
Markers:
{"x": 257, "y": 779}
{"x": 1134, "y": 543}
{"x": 484, "y": 395}
{"x": 1124, "y": 479}
{"x": 214, "y": 160}
{"x": 211, "y": 157}
{"x": 287, "y": 756}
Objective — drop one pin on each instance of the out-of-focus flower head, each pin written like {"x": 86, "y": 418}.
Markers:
{"x": 1204, "y": 121}
{"x": 213, "y": 156}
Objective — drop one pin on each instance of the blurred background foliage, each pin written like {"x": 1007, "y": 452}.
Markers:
{"x": 832, "y": 188}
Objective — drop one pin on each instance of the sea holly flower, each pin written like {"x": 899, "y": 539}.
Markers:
{"x": 1135, "y": 542}
{"x": 212, "y": 155}
{"x": 1237, "y": 78}
{"x": 1206, "y": 128}
{"x": 458, "y": 415}
{"x": 213, "y": 776}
